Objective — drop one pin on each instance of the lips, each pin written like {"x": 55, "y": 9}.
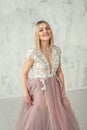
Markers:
{"x": 46, "y": 35}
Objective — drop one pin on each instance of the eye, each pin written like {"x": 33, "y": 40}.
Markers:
{"x": 40, "y": 30}
{"x": 47, "y": 28}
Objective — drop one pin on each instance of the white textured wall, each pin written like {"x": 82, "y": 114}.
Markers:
{"x": 68, "y": 19}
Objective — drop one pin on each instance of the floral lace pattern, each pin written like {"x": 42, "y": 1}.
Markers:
{"x": 41, "y": 66}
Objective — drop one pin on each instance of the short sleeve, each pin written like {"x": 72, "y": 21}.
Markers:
{"x": 59, "y": 50}
{"x": 30, "y": 54}
{"x": 59, "y": 53}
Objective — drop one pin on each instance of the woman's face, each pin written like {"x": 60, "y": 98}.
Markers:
{"x": 44, "y": 32}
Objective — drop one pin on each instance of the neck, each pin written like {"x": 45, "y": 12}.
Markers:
{"x": 44, "y": 44}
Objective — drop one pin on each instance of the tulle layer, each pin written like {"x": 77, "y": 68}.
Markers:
{"x": 50, "y": 110}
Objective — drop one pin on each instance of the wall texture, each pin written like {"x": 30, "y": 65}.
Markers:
{"x": 68, "y": 19}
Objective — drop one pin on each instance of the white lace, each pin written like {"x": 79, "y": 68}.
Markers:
{"x": 41, "y": 66}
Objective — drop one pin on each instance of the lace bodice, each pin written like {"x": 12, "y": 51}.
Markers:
{"x": 41, "y": 65}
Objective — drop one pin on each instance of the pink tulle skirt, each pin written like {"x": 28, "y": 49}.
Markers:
{"x": 50, "y": 110}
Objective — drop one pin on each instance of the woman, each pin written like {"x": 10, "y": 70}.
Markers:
{"x": 45, "y": 105}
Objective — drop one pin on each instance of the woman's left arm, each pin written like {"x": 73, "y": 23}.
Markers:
{"x": 59, "y": 73}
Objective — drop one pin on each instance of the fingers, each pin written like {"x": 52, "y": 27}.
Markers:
{"x": 28, "y": 99}
{"x": 29, "y": 102}
{"x": 63, "y": 94}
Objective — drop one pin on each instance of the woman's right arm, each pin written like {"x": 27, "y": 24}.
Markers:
{"x": 24, "y": 77}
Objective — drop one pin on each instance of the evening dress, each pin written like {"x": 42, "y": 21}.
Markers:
{"x": 50, "y": 110}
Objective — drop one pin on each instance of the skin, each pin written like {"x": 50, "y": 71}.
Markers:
{"x": 44, "y": 36}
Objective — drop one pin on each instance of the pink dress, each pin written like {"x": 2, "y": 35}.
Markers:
{"x": 50, "y": 110}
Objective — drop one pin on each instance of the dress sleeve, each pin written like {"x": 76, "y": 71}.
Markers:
{"x": 59, "y": 53}
{"x": 30, "y": 54}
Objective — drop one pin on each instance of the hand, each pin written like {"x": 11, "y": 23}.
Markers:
{"x": 27, "y": 98}
{"x": 63, "y": 92}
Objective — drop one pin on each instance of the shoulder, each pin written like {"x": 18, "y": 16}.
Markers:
{"x": 57, "y": 48}
{"x": 31, "y": 50}
{"x": 30, "y": 53}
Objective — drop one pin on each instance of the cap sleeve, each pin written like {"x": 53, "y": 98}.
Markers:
{"x": 30, "y": 54}
{"x": 59, "y": 53}
{"x": 59, "y": 50}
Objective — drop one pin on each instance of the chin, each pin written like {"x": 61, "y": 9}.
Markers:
{"x": 47, "y": 39}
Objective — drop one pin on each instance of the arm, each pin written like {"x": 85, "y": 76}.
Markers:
{"x": 59, "y": 73}
{"x": 24, "y": 77}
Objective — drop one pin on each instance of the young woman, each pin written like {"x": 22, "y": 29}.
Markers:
{"x": 45, "y": 105}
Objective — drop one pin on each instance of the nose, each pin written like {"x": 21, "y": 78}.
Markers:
{"x": 45, "y": 30}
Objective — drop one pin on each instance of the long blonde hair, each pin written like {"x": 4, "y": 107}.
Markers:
{"x": 36, "y": 35}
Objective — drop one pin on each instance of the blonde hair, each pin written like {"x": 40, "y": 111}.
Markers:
{"x": 36, "y": 36}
